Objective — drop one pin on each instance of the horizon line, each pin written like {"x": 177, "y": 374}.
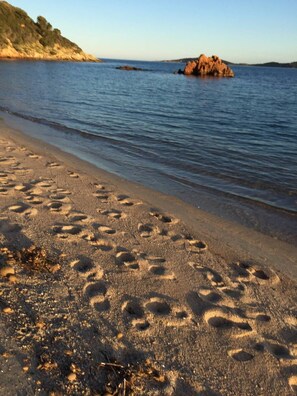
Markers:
{"x": 189, "y": 57}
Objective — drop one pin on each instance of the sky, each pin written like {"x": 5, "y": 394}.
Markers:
{"x": 248, "y": 31}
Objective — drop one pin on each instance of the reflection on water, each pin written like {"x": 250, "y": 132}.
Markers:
{"x": 212, "y": 142}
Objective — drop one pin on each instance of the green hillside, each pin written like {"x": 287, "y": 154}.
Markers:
{"x": 21, "y": 37}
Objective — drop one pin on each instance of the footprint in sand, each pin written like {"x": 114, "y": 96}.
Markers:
{"x": 102, "y": 196}
{"x": 209, "y": 295}
{"x": 148, "y": 230}
{"x": 59, "y": 197}
{"x": 157, "y": 267}
{"x": 11, "y": 149}
{"x": 65, "y": 230}
{"x": 161, "y": 272}
{"x": 95, "y": 292}
{"x": 260, "y": 317}
{"x": 180, "y": 317}
{"x": 36, "y": 192}
{"x": 3, "y": 191}
{"x": 240, "y": 355}
{"x": 211, "y": 275}
{"x": 99, "y": 186}
{"x": 33, "y": 200}
{"x": 134, "y": 313}
{"x": 23, "y": 187}
{"x": 246, "y": 273}
{"x": 73, "y": 175}
{"x": 126, "y": 200}
{"x": 164, "y": 218}
{"x": 33, "y": 156}
{"x": 104, "y": 229}
{"x": 6, "y": 177}
{"x": 53, "y": 165}
{"x": 225, "y": 320}
{"x": 133, "y": 309}
{"x": 196, "y": 246}
{"x": 60, "y": 191}
{"x": 127, "y": 259}
{"x": 236, "y": 292}
{"x": 86, "y": 268}
{"x": 158, "y": 307}
{"x": 9, "y": 160}
{"x": 178, "y": 239}
{"x": 113, "y": 213}
{"x": 83, "y": 265}
{"x": 221, "y": 296}
{"x": 286, "y": 357}
{"x": 45, "y": 183}
{"x": 78, "y": 217}
{"x": 23, "y": 209}
{"x": 140, "y": 324}
{"x": 22, "y": 171}
{"x": 152, "y": 264}
{"x": 102, "y": 244}
{"x": 23, "y": 149}
{"x": 172, "y": 315}
{"x": 258, "y": 273}
{"x": 7, "y": 187}
{"x": 279, "y": 351}
{"x": 155, "y": 259}
{"x": 59, "y": 207}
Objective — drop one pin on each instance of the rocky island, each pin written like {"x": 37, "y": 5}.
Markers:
{"x": 22, "y": 38}
{"x": 207, "y": 66}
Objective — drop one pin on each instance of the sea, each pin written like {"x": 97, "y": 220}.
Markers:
{"x": 226, "y": 146}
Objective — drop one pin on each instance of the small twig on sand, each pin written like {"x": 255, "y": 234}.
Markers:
{"x": 111, "y": 365}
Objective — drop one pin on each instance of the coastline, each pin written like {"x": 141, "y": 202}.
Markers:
{"x": 236, "y": 240}
{"x": 257, "y": 198}
{"x": 178, "y": 298}
{"x": 48, "y": 59}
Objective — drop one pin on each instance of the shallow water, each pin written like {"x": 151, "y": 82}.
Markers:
{"x": 226, "y": 145}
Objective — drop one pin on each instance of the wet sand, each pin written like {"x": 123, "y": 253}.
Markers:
{"x": 108, "y": 287}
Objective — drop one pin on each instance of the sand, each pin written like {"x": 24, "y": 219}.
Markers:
{"x": 111, "y": 288}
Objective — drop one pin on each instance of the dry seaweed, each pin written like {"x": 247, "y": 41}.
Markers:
{"x": 33, "y": 259}
{"x": 124, "y": 380}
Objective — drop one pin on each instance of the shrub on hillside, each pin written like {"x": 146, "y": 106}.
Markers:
{"x": 17, "y": 27}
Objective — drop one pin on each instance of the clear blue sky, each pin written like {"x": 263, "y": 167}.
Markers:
{"x": 236, "y": 30}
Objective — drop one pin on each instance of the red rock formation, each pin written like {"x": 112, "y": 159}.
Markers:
{"x": 208, "y": 66}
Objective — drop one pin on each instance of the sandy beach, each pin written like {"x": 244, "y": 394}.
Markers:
{"x": 109, "y": 288}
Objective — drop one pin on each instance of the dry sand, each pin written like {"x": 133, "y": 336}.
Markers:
{"x": 110, "y": 288}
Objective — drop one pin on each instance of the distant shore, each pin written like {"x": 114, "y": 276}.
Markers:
{"x": 46, "y": 59}
{"x": 107, "y": 284}
{"x": 290, "y": 65}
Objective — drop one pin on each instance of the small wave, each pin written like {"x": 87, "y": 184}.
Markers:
{"x": 58, "y": 126}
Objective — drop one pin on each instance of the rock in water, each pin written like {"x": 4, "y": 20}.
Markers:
{"x": 129, "y": 68}
{"x": 207, "y": 66}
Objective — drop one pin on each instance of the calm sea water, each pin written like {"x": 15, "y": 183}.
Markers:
{"x": 228, "y": 146}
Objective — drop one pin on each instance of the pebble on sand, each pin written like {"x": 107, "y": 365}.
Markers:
{"x": 6, "y": 271}
{"x": 71, "y": 377}
{"x": 8, "y": 310}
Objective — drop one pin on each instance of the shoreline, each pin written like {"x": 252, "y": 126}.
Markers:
{"x": 195, "y": 218}
{"x": 109, "y": 287}
{"x": 32, "y": 59}
{"x": 253, "y": 213}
